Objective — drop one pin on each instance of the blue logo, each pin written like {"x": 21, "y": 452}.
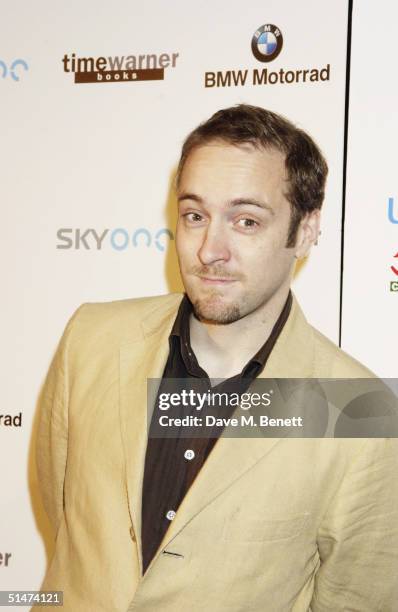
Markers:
{"x": 267, "y": 43}
{"x": 14, "y": 71}
{"x": 392, "y": 216}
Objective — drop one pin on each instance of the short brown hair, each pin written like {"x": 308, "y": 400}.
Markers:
{"x": 306, "y": 167}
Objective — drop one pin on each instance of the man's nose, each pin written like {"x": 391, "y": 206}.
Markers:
{"x": 214, "y": 246}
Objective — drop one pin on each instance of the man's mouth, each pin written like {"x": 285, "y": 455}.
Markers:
{"x": 214, "y": 280}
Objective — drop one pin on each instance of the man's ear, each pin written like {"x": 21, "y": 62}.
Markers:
{"x": 308, "y": 233}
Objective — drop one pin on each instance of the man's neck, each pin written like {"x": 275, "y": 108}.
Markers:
{"x": 223, "y": 350}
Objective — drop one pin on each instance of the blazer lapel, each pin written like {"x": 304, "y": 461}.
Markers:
{"x": 141, "y": 357}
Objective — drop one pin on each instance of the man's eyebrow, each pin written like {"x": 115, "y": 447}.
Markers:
{"x": 189, "y": 196}
{"x": 252, "y": 202}
{"x": 235, "y": 202}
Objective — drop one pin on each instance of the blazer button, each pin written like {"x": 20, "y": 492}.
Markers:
{"x": 132, "y": 534}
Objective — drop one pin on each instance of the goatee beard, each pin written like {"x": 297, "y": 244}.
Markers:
{"x": 217, "y": 315}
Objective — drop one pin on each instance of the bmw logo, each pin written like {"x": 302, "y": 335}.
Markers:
{"x": 267, "y": 43}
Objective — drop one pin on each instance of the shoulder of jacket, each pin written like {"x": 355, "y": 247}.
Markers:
{"x": 333, "y": 362}
{"x": 119, "y": 319}
{"x": 128, "y": 306}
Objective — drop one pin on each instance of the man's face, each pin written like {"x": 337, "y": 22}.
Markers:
{"x": 232, "y": 230}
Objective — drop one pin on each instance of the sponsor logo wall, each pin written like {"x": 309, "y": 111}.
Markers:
{"x": 370, "y": 287}
{"x": 88, "y": 175}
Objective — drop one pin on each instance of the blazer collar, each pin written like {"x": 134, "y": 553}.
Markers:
{"x": 291, "y": 357}
{"x": 293, "y": 353}
{"x": 161, "y": 318}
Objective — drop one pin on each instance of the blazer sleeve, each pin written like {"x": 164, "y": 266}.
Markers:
{"x": 358, "y": 537}
{"x": 52, "y": 431}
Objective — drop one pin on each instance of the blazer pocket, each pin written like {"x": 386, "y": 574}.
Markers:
{"x": 257, "y": 530}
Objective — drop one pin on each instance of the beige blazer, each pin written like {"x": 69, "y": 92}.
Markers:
{"x": 269, "y": 525}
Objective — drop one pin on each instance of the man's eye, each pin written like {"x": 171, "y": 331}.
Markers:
{"x": 192, "y": 217}
{"x": 247, "y": 223}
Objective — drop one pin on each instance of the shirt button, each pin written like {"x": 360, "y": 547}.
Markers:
{"x": 170, "y": 515}
{"x": 189, "y": 454}
{"x": 132, "y": 534}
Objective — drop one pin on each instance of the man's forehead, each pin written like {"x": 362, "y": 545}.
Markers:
{"x": 238, "y": 164}
{"x": 226, "y": 153}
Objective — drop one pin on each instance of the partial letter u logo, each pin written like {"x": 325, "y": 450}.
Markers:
{"x": 391, "y": 217}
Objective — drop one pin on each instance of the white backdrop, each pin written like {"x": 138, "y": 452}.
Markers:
{"x": 101, "y": 156}
{"x": 370, "y": 307}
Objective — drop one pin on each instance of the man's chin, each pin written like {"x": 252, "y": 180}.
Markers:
{"x": 216, "y": 312}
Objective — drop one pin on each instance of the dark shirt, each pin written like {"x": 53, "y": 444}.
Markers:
{"x": 169, "y": 469}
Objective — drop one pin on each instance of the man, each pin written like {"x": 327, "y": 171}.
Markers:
{"x": 215, "y": 523}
